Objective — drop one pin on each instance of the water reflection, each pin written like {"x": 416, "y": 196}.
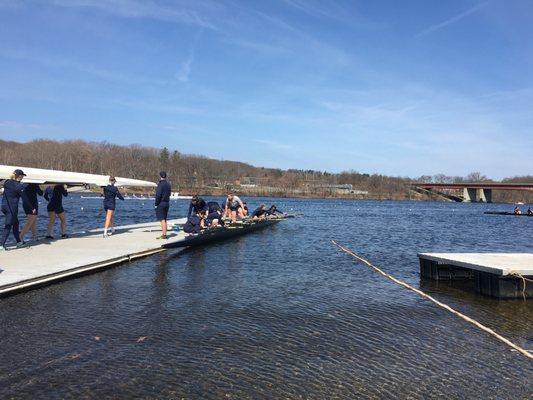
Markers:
{"x": 276, "y": 314}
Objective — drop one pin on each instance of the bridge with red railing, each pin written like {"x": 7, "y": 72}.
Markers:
{"x": 472, "y": 191}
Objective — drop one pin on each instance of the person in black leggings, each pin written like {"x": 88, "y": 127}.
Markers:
{"x": 31, "y": 192}
{"x": 13, "y": 191}
{"x": 55, "y": 208}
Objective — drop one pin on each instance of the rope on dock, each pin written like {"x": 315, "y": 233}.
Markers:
{"x": 440, "y": 304}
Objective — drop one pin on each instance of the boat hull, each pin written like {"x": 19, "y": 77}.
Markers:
{"x": 222, "y": 233}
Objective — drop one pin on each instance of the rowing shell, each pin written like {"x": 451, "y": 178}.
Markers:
{"x": 507, "y": 213}
{"x": 222, "y": 233}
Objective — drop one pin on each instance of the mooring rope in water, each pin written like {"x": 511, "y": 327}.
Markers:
{"x": 524, "y": 280}
{"x": 440, "y": 304}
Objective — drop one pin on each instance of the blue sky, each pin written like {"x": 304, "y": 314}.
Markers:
{"x": 403, "y": 88}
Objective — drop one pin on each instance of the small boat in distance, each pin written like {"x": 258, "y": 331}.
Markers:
{"x": 508, "y": 213}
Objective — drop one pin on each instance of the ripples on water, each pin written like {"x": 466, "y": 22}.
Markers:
{"x": 276, "y": 314}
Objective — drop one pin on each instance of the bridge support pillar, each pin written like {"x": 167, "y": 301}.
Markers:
{"x": 485, "y": 195}
{"x": 470, "y": 195}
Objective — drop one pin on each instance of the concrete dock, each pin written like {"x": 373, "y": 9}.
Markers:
{"x": 48, "y": 261}
{"x": 495, "y": 274}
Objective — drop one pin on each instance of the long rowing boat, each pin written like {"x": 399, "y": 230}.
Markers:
{"x": 507, "y": 213}
{"x": 222, "y": 233}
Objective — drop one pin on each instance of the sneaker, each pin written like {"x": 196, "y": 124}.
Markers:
{"x": 48, "y": 237}
{"x": 2, "y": 249}
{"x": 164, "y": 237}
{"x": 20, "y": 244}
{"x": 64, "y": 236}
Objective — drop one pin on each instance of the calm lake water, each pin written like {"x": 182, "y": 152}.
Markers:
{"x": 280, "y": 313}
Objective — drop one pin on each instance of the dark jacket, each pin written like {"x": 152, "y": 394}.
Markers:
{"x": 55, "y": 197}
{"x": 199, "y": 206}
{"x": 13, "y": 191}
{"x": 193, "y": 224}
{"x": 162, "y": 193}
{"x": 111, "y": 192}
{"x": 31, "y": 192}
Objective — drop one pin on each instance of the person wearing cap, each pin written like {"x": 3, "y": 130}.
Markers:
{"x": 55, "y": 208}
{"x": 31, "y": 192}
{"x": 111, "y": 193}
{"x": 162, "y": 201}
{"x": 197, "y": 204}
{"x": 13, "y": 191}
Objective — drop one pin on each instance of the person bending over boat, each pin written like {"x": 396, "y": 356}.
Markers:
{"x": 260, "y": 212}
{"x": 274, "y": 211}
{"x": 517, "y": 211}
{"x": 197, "y": 204}
{"x": 31, "y": 210}
{"x": 55, "y": 208}
{"x": 13, "y": 191}
{"x": 111, "y": 193}
{"x": 234, "y": 207}
{"x": 529, "y": 211}
{"x": 162, "y": 201}
{"x": 214, "y": 218}
{"x": 245, "y": 210}
{"x": 195, "y": 223}
{"x": 213, "y": 206}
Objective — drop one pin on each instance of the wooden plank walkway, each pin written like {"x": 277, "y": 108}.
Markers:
{"x": 84, "y": 252}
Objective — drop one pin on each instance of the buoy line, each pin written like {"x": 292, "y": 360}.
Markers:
{"x": 440, "y": 304}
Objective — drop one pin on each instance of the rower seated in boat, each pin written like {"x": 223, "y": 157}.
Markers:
{"x": 260, "y": 212}
{"x": 517, "y": 211}
{"x": 195, "y": 223}
{"x": 529, "y": 211}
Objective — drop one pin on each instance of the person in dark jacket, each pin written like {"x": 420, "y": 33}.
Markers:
{"x": 13, "y": 191}
{"x": 260, "y": 212}
{"x": 197, "y": 204}
{"x": 274, "y": 211}
{"x": 213, "y": 206}
{"x": 54, "y": 196}
{"x": 215, "y": 217}
{"x": 31, "y": 210}
{"x": 162, "y": 200}
{"x": 195, "y": 223}
{"x": 111, "y": 193}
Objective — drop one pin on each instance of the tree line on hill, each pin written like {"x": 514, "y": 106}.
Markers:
{"x": 199, "y": 174}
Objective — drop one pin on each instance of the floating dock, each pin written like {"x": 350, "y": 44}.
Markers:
{"x": 48, "y": 261}
{"x": 496, "y": 274}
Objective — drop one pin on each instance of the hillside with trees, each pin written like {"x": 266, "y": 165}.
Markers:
{"x": 198, "y": 174}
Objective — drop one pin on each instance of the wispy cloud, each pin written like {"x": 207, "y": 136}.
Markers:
{"x": 452, "y": 20}
{"x": 21, "y": 125}
{"x": 274, "y": 145}
{"x": 141, "y": 9}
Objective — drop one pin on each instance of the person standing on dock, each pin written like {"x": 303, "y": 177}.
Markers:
{"x": 197, "y": 204}
{"x": 111, "y": 193}
{"x": 31, "y": 209}
{"x": 13, "y": 191}
{"x": 55, "y": 209}
{"x": 162, "y": 201}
